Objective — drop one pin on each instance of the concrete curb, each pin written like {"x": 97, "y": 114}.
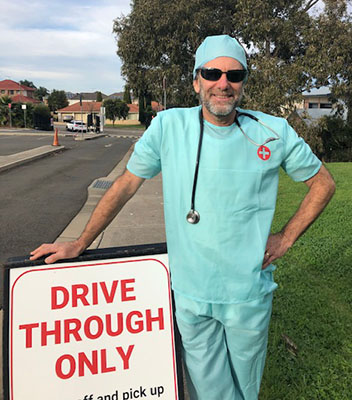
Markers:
{"x": 14, "y": 160}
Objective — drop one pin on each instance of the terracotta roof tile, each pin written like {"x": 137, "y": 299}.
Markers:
{"x": 19, "y": 98}
{"x": 8, "y": 84}
{"x": 87, "y": 106}
{"x": 133, "y": 108}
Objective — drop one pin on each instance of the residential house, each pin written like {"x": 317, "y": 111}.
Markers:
{"x": 86, "y": 97}
{"x": 90, "y": 110}
{"x": 316, "y": 104}
{"x": 78, "y": 112}
{"x": 115, "y": 96}
{"x": 18, "y": 93}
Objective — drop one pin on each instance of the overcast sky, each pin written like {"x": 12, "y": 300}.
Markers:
{"x": 61, "y": 44}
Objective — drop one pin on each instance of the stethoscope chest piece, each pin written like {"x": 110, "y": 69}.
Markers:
{"x": 193, "y": 217}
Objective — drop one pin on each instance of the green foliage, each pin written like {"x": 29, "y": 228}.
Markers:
{"x": 18, "y": 115}
{"x": 336, "y": 136}
{"x": 312, "y": 305}
{"x": 4, "y": 110}
{"x": 99, "y": 96}
{"x": 159, "y": 38}
{"x": 30, "y": 84}
{"x": 42, "y": 117}
{"x": 115, "y": 109}
{"x": 40, "y": 93}
{"x": 127, "y": 95}
{"x": 57, "y": 100}
{"x": 290, "y": 49}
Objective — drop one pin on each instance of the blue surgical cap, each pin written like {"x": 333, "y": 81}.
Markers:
{"x": 219, "y": 46}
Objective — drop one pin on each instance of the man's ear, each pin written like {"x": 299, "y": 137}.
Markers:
{"x": 196, "y": 85}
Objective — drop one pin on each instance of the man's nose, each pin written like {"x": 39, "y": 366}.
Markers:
{"x": 223, "y": 83}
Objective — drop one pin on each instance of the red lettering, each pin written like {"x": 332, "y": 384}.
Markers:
{"x": 138, "y": 323}
{"x": 150, "y": 319}
{"x": 125, "y": 289}
{"x": 79, "y": 296}
{"x": 54, "y": 301}
{"x": 92, "y": 366}
{"x": 125, "y": 356}
{"x": 29, "y": 329}
{"x": 95, "y": 292}
{"x": 72, "y": 330}
{"x": 45, "y": 333}
{"x": 72, "y": 366}
{"x": 104, "y": 367}
{"x": 119, "y": 321}
{"x": 87, "y": 327}
{"x": 109, "y": 297}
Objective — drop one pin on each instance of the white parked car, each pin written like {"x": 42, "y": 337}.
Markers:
{"x": 76, "y": 126}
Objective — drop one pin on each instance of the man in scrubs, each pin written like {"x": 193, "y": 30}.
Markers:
{"x": 221, "y": 267}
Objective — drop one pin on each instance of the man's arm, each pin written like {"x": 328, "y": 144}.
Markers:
{"x": 321, "y": 189}
{"x": 109, "y": 206}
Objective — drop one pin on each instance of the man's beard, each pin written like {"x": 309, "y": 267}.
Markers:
{"x": 221, "y": 110}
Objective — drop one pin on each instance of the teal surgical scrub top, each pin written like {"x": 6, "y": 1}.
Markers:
{"x": 219, "y": 259}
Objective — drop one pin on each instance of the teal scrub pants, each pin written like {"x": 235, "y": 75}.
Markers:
{"x": 224, "y": 347}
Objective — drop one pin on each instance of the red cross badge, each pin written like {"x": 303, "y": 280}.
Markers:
{"x": 264, "y": 153}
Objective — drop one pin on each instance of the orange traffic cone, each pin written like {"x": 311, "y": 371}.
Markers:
{"x": 56, "y": 138}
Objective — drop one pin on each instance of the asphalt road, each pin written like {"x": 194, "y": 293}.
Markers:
{"x": 39, "y": 199}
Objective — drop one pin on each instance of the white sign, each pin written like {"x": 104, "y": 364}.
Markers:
{"x": 24, "y": 106}
{"x": 92, "y": 330}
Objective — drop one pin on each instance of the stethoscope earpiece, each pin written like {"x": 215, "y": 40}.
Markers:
{"x": 193, "y": 217}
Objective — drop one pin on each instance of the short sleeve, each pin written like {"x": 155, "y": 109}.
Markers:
{"x": 145, "y": 159}
{"x": 299, "y": 162}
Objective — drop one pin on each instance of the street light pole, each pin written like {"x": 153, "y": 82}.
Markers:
{"x": 80, "y": 102}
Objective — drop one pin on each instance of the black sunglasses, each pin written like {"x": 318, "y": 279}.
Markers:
{"x": 214, "y": 74}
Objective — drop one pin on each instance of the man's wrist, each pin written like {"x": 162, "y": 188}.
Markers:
{"x": 81, "y": 244}
{"x": 286, "y": 239}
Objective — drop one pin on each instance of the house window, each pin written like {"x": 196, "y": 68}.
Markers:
{"x": 12, "y": 91}
{"x": 325, "y": 105}
{"x": 313, "y": 105}
{"x": 2, "y": 91}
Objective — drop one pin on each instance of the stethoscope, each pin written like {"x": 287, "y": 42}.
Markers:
{"x": 193, "y": 216}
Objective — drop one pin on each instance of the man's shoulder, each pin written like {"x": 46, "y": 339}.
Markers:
{"x": 178, "y": 113}
{"x": 264, "y": 117}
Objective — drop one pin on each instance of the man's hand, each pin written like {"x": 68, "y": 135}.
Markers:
{"x": 321, "y": 189}
{"x": 276, "y": 247}
{"x": 57, "y": 251}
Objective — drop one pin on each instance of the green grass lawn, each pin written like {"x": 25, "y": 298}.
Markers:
{"x": 313, "y": 304}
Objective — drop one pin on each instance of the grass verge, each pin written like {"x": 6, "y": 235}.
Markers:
{"x": 127, "y": 127}
{"x": 313, "y": 304}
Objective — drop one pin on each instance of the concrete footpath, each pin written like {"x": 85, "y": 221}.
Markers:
{"x": 141, "y": 221}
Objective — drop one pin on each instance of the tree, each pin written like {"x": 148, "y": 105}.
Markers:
{"x": 159, "y": 39}
{"x": 99, "y": 96}
{"x": 4, "y": 110}
{"x": 115, "y": 109}
{"x": 42, "y": 117}
{"x": 122, "y": 109}
{"x": 110, "y": 110}
{"x": 290, "y": 48}
{"x": 40, "y": 93}
{"x": 30, "y": 84}
{"x": 57, "y": 100}
{"x": 127, "y": 95}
